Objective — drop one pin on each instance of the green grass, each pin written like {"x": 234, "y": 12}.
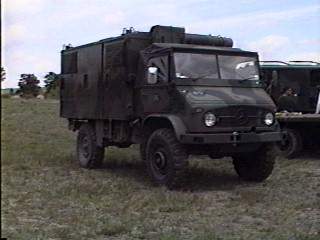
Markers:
{"x": 45, "y": 195}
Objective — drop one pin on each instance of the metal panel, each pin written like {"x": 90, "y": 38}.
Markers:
{"x": 87, "y": 82}
{"x": 79, "y": 90}
{"x": 114, "y": 87}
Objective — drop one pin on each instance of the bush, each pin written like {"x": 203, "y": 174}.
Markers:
{"x": 29, "y": 85}
{"x": 5, "y": 95}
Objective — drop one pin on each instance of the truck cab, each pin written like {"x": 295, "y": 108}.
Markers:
{"x": 176, "y": 94}
{"x": 211, "y": 90}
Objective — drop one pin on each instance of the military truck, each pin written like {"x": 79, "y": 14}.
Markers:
{"x": 176, "y": 94}
{"x": 295, "y": 87}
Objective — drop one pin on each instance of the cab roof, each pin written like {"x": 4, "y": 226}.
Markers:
{"x": 185, "y": 47}
{"x": 289, "y": 65}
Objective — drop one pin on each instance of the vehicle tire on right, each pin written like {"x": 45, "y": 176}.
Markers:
{"x": 255, "y": 166}
{"x": 292, "y": 144}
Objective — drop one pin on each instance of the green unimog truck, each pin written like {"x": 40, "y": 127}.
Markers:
{"x": 176, "y": 94}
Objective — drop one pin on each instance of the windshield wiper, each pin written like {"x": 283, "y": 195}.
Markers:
{"x": 202, "y": 76}
{"x": 247, "y": 79}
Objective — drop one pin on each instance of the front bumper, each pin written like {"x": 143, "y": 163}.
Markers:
{"x": 234, "y": 138}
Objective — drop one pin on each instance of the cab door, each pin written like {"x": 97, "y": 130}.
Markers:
{"x": 154, "y": 91}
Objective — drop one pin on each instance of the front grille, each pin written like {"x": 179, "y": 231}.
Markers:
{"x": 239, "y": 116}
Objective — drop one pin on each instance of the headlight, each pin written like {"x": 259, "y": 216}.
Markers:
{"x": 269, "y": 119}
{"x": 210, "y": 119}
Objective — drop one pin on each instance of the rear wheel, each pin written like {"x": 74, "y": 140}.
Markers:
{"x": 89, "y": 154}
{"x": 166, "y": 158}
{"x": 256, "y": 166}
{"x": 291, "y": 145}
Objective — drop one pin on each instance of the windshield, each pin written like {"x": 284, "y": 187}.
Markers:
{"x": 238, "y": 67}
{"x": 194, "y": 65}
{"x": 199, "y": 65}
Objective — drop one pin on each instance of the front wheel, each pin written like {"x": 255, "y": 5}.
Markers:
{"x": 89, "y": 154}
{"x": 166, "y": 158}
{"x": 291, "y": 145}
{"x": 256, "y": 166}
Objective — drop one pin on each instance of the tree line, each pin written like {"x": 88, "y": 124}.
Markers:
{"x": 29, "y": 84}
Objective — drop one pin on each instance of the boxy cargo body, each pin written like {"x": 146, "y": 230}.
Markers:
{"x": 95, "y": 77}
{"x": 173, "y": 93}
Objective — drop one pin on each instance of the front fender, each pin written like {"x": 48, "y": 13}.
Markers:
{"x": 175, "y": 121}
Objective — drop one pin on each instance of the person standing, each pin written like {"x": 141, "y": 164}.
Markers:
{"x": 318, "y": 104}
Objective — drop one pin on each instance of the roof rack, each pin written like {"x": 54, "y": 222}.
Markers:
{"x": 308, "y": 62}
{"x": 290, "y": 63}
{"x": 276, "y": 62}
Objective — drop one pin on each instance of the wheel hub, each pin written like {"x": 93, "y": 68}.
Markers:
{"x": 160, "y": 162}
{"x": 160, "y": 159}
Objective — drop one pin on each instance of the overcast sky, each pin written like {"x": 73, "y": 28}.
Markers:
{"x": 33, "y": 31}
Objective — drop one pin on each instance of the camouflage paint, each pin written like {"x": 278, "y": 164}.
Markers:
{"x": 110, "y": 86}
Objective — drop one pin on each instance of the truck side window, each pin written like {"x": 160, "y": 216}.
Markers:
{"x": 162, "y": 63}
{"x": 315, "y": 78}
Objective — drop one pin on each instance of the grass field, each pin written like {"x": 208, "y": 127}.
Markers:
{"x": 45, "y": 195}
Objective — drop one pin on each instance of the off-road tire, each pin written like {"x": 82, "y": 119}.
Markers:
{"x": 89, "y": 154}
{"x": 256, "y": 166}
{"x": 292, "y": 144}
{"x": 166, "y": 158}
{"x": 143, "y": 146}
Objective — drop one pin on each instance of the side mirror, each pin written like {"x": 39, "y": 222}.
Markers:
{"x": 152, "y": 75}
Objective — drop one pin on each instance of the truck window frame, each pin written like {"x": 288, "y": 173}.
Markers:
{"x": 220, "y": 82}
{"x": 214, "y": 56}
{"x": 168, "y": 72}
